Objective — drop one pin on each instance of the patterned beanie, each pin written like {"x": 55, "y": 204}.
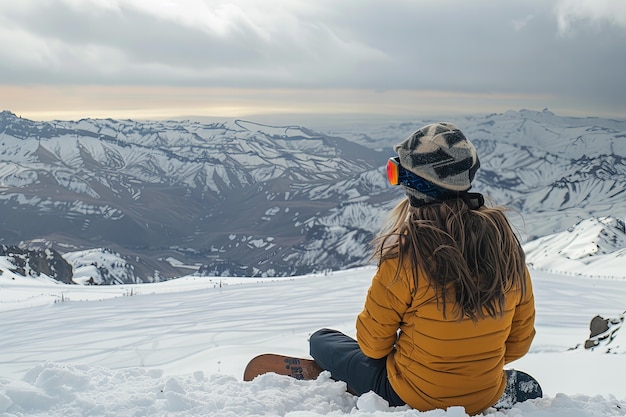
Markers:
{"x": 440, "y": 154}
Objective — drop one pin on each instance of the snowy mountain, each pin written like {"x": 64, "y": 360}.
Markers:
{"x": 244, "y": 199}
{"x": 234, "y": 198}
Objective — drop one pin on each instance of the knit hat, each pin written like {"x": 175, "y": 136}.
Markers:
{"x": 440, "y": 154}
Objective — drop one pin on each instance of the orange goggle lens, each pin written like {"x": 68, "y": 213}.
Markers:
{"x": 393, "y": 170}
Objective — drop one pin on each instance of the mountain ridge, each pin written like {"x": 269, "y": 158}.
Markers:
{"x": 246, "y": 198}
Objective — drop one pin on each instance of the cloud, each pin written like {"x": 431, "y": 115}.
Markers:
{"x": 517, "y": 47}
{"x": 570, "y": 13}
{"x": 520, "y": 24}
{"x": 184, "y": 42}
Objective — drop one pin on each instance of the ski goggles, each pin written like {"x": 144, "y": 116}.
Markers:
{"x": 397, "y": 175}
{"x": 393, "y": 170}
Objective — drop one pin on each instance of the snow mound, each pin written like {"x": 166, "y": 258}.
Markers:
{"x": 56, "y": 389}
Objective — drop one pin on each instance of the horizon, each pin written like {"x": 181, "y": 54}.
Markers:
{"x": 75, "y": 103}
{"x": 316, "y": 120}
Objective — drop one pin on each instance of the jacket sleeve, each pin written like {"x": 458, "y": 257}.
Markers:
{"x": 386, "y": 302}
{"x": 522, "y": 327}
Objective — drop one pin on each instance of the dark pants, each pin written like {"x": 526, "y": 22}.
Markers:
{"x": 342, "y": 356}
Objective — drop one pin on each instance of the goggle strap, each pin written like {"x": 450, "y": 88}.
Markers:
{"x": 473, "y": 200}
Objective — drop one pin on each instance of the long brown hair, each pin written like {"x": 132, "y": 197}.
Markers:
{"x": 473, "y": 254}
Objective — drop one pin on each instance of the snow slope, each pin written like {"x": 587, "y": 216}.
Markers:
{"x": 178, "y": 348}
{"x": 593, "y": 247}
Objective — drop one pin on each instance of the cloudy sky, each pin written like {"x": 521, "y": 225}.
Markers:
{"x": 69, "y": 59}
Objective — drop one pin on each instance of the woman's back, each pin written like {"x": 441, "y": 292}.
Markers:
{"x": 437, "y": 360}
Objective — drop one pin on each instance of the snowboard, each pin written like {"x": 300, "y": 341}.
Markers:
{"x": 519, "y": 385}
{"x": 297, "y": 368}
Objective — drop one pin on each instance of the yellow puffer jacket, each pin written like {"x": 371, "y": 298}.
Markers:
{"x": 435, "y": 362}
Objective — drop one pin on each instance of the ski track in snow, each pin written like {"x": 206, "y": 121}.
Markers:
{"x": 179, "y": 348}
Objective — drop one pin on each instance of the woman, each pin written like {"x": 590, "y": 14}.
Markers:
{"x": 451, "y": 302}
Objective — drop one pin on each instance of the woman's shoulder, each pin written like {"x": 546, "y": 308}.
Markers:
{"x": 396, "y": 271}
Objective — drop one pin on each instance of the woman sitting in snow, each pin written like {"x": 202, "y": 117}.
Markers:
{"x": 451, "y": 302}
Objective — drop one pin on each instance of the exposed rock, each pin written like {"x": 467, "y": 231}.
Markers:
{"x": 33, "y": 262}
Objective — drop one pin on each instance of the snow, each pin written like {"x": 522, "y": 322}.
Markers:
{"x": 178, "y": 348}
